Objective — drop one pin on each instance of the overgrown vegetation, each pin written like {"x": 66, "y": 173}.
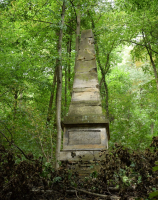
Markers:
{"x": 124, "y": 173}
{"x": 31, "y": 53}
{"x": 29, "y": 56}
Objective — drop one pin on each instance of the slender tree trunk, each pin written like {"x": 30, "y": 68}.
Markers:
{"x": 103, "y": 79}
{"x": 59, "y": 88}
{"x": 148, "y": 48}
{"x": 67, "y": 70}
{"x": 154, "y": 66}
{"x": 107, "y": 98}
{"x": 100, "y": 84}
{"x": 49, "y": 114}
{"x": 78, "y": 21}
{"x": 65, "y": 87}
{"x": 69, "y": 66}
{"x": 152, "y": 128}
{"x": 15, "y": 103}
{"x": 78, "y": 31}
{"x": 20, "y": 101}
{"x": 104, "y": 82}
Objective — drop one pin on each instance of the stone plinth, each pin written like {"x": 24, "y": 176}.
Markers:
{"x": 86, "y": 131}
{"x": 85, "y": 138}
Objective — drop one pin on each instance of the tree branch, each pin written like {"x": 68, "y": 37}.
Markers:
{"x": 74, "y": 9}
{"x": 11, "y": 143}
{"x": 36, "y": 20}
{"x": 91, "y": 193}
{"x": 143, "y": 45}
{"x": 42, "y": 21}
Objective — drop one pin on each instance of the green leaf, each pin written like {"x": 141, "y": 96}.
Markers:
{"x": 57, "y": 179}
{"x": 155, "y": 168}
{"x": 153, "y": 194}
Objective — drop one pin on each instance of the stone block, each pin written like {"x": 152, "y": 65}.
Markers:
{"x": 87, "y": 33}
{"x": 85, "y": 138}
{"x": 84, "y": 110}
{"x": 85, "y": 66}
{"x": 86, "y": 103}
{"x": 74, "y": 156}
{"x": 83, "y": 80}
{"x": 86, "y": 54}
{"x": 88, "y": 94}
{"x": 97, "y": 119}
{"x": 87, "y": 43}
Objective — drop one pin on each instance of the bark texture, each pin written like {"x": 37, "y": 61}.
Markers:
{"x": 49, "y": 114}
{"x": 59, "y": 88}
{"x": 149, "y": 50}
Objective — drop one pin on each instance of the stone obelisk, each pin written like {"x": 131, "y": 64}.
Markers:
{"x": 86, "y": 131}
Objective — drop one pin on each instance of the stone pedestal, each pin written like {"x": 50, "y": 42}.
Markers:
{"x": 86, "y": 131}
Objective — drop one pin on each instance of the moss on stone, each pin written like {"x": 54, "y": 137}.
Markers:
{"x": 86, "y": 76}
{"x": 85, "y": 66}
{"x": 80, "y": 119}
{"x": 86, "y": 102}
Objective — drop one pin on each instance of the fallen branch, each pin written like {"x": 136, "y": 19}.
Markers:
{"x": 94, "y": 194}
{"x": 113, "y": 189}
{"x": 43, "y": 191}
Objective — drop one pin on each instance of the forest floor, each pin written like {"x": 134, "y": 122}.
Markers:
{"x": 124, "y": 174}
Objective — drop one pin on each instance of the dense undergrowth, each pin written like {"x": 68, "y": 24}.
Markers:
{"x": 129, "y": 173}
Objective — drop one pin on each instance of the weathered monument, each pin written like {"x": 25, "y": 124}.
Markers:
{"x": 86, "y": 131}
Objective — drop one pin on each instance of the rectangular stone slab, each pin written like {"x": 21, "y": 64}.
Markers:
{"x": 84, "y": 110}
{"x": 85, "y": 66}
{"x": 85, "y": 138}
{"x": 89, "y": 94}
{"x": 87, "y": 43}
{"x": 86, "y": 54}
{"x": 87, "y": 33}
{"x": 86, "y": 119}
{"x": 81, "y": 136}
{"x": 83, "y": 80}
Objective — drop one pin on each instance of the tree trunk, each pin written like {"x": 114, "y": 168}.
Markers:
{"x": 78, "y": 31}
{"x": 78, "y": 21}
{"x": 105, "y": 84}
{"x": 49, "y": 114}
{"x": 103, "y": 79}
{"x": 107, "y": 98}
{"x": 148, "y": 48}
{"x": 69, "y": 61}
{"x": 152, "y": 128}
{"x": 15, "y": 103}
{"x": 59, "y": 88}
{"x": 154, "y": 67}
{"x": 65, "y": 87}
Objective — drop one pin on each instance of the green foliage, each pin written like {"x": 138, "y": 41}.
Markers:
{"x": 155, "y": 193}
{"x": 130, "y": 170}
{"x": 28, "y": 54}
{"x": 132, "y": 102}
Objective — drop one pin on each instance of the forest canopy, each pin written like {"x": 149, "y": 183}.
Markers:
{"x": 38, "y": 45}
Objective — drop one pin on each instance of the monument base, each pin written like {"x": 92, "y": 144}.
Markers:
{"x": 83, "y": 162}
{"x": 85, "y": 138}
{"x": 82, "y": 146}
{"x": 78, "y": 155}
